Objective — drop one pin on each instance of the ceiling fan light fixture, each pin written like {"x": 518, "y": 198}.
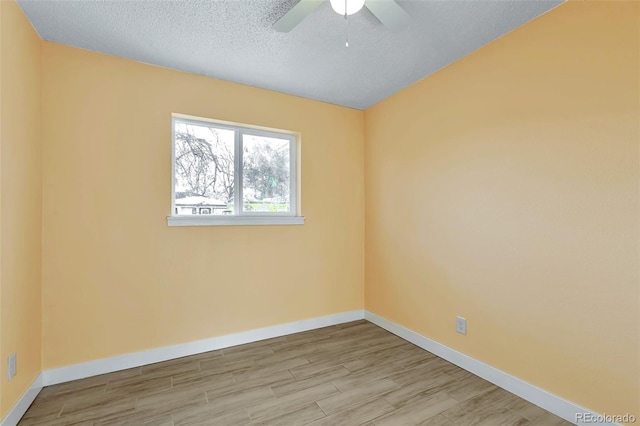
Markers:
{"x": 352, "y": 6}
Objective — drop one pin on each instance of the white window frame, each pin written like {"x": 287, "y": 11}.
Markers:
{"x": 240, "y": 217}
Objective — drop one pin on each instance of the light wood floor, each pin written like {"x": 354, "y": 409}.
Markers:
{"x": 350, "y": 374}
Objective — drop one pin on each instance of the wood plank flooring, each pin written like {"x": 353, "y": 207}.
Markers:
{"x": 349, "y": 374}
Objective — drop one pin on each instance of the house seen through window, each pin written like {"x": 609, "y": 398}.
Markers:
{"x": 227, "y": 170}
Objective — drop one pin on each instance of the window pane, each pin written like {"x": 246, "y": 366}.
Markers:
{"x": 204, "y": 169}
{"x": 265, "y": 172}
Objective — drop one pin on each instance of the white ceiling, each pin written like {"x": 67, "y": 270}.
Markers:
{"x": 233, "y": 40}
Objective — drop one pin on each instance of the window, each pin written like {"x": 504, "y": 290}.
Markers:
{"x": 226, "y": 174}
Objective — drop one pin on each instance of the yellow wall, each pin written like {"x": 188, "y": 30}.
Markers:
{"x": 116, "y": 278}
{"x": 1, "y": 54}
{"x": 20, "y": 201}
{"x": 504, "y": 188}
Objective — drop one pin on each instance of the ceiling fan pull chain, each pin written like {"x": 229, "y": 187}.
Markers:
{"x": 346, "y": 25}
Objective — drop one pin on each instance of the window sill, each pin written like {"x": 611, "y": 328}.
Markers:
{"x": 233, "y": 220}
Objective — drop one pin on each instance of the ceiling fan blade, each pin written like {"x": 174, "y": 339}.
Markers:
{"x": 296, "y": 15}
{"x": 389, "y": 13}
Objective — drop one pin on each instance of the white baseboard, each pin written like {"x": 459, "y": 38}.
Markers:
{"x": 550, "y": 402}
{"x": 137, "y": 359}
{"x": 17, "y": 411}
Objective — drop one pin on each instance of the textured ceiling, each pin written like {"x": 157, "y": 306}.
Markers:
{"x": 233, "y": 40}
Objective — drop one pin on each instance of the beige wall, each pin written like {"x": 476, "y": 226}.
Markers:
{"x": 20, "y": 201}
{"x": 504, "y": 188}
{"x": 116, "y": 278}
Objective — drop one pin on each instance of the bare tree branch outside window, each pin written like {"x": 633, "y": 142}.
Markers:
{"x": 205, "y": 171}
{"x": 204, "y": 165}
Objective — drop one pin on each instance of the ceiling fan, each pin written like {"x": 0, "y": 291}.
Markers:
{"x": 387, "y": 11}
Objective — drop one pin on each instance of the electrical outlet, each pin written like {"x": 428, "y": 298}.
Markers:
{"x": 13, "y": 366}
{"x": 461, "y": 325}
